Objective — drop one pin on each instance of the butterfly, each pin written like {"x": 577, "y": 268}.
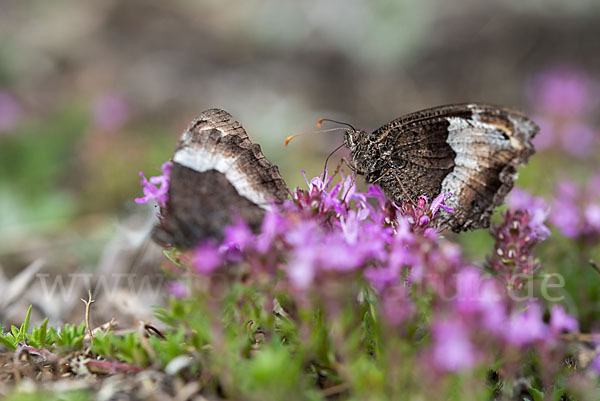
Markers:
{"x": 217, "y": 175}
{"x": 469, "y": 150}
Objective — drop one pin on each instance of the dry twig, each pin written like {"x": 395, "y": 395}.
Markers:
{"x": 88, "y": 304}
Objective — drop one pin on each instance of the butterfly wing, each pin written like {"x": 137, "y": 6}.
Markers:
{"x": 217, "y": 173}
{"x": 471, "y": 150}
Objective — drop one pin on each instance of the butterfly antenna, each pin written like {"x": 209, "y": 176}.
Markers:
{"x": 334, "y": 121}
{"x": 289, "y": 138}
{"x": 331, "y": 154}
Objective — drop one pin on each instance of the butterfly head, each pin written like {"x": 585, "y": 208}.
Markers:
{"x": 353, "y": 138}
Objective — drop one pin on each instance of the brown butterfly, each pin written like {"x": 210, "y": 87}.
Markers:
{"x": 217, "y": 174}
{"x": 470, "y": 150}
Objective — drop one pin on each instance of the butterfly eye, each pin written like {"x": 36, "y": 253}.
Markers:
{"x": 350, "y": 138}
{"x": 353, "y": 136}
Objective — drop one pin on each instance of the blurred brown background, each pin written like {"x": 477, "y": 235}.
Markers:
{"x": 93, "y": 92}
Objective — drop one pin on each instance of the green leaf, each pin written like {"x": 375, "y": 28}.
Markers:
{"x": 169, "y": 255}
{"x": 40, "y": 335}
{"x": 25, "y": 325}
{"x": 8, "y": 341}
{"x": 536, "y": 394}
{"x": 70, "y": 337}
{"x": 43, "y": 334}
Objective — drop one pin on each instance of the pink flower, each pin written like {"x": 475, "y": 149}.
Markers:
{"x": 389, "y": 274}
{"x": 273, "y": 225}
{"x": 563, "y": 90}
{"x": 576, "y": 211}
{"x": 578, "y": 138}
{"x": 565, "y": 213}
{"x": 156, "y": 188}
{"x": 207, "y": 258}
{"x": 301, "y": 271}
{"x": 537, "y": 209}
{"x": 397, "y": 305}
{"x": 592, "y": 216}
{"x": 377, "y": 193}
{"x": 492, "y": 307}
{"x": 560, "y": 321}
{"x": 438, "y": 203}
{"x": 238, "y": 235}
{"x": 526, "y": 327}
{"x": 513, "y": 258}
{"x": 177, "y": 289}
{"x": 452, "y": 349}
{"x": 317, "y": 184}
{"x": 422, "y": 215}
{"x": 468, "y": 290}
{"x": 595, "y": 364}
{"x": 564, "y": 98}
{"x": 547, "y": 136}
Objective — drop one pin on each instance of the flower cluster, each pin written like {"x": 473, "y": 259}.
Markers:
{"x": 422, "y": 214}
{"x": 481, "y": 316}
{"x": 576, "y": 210}
{"x": 331, "y": 234}
{"x": 565, "y": 97}
{"x": 521, "y": 230}
{"x": 324, "y": 240}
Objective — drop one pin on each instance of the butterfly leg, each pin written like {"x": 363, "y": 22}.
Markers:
{"x": 389, "y": 170}
{"x": 348, "y": 189}
{"x": 339, "y": 166}
{"x": 410, "y": 199}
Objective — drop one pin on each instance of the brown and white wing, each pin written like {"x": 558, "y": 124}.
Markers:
{"x": 471, "y": 150}
{"x": 217, "y": 173}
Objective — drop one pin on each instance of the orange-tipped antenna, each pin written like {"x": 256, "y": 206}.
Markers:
{"x": 289, "y": 138}
{"x": 334, "y": 121}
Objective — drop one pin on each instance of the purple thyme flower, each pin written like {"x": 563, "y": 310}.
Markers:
{"x": 563, "y": 90}
{"x": 397, "y": 306}
{"x": 301, "y": 271}
{"x": 469, "y": 283}
{"x": 177, "y": 289}
{"x": 156, "y": 188}
{"x": 576, "y": 210}
{"x": 452, "y": 348}
{"x": 520, "y": 232}
{"x": 422, "y": 214}
{"x": 566, "y": 214}
{"x": 207, "y": 258}
{"x": 595, "y": 364}
{"x": 323, "y": 238}
{"x": 537, "y": 209}
{"x": 564, "y": 97}
{"x": 304, "y": 239}
{"x": 526, "y": 327}
{"x": 560, "y": 321}
{"x": 578, "y": 138}
{"x": 438, "y": 203}
{"x": 492, "y": 307}
{"x": 238, "y": 235}
{"x": 317, "y": 184}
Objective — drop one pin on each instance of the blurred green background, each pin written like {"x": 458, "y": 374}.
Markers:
{"x": 93, "y": 92}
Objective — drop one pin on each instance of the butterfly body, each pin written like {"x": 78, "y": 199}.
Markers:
{"x": 470, "y": 150}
